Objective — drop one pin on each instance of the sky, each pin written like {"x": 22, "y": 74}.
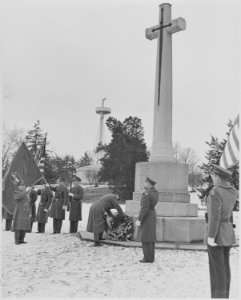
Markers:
{"x": 62, "y": 57}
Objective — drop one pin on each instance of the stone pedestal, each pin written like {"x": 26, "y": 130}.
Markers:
{"x": 177, "y": 218}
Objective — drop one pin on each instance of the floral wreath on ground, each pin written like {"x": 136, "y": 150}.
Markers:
{"x": 120, "y": 229}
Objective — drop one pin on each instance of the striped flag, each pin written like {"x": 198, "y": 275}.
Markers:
{"x": 230, "y": 155}
{"x": 42, "y": 156}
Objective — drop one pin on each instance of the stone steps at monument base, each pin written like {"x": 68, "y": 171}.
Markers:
{"x": 176, "y": 229}
{"x": 166, "y": 196}
{"x": 165, "y": 209}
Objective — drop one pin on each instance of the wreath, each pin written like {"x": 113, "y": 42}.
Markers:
{"x": 120, "y": 229}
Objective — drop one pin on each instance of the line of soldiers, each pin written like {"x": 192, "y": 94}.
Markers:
{"x": 51, "y": 205}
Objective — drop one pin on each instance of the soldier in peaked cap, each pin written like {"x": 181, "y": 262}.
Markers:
{"x": 219, "y": 232}
{"x": 147, "y": 220}
{"x": 59, "y": 205}
{"x": 97, "y": 218}
{"x": 43, "y": 207}
{"x": 75, "y": 200}
{"x": 21, "y": 214}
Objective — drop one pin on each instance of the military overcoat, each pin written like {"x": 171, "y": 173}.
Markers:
{"x": 220, "y": 204}
{"x": 75, "y": 203}
{"x": 32, "y": 199}
{"x": 97, "y": 219}
{"x": 22, "y": 213}
{"x": 147, "y": 215}
{"x": 6, "y": 215}
{"x": 60, "y": 200}
{"x": 46, "y": 197}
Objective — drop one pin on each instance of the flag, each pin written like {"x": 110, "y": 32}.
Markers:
{"x": 230, "y": 155}
{"x": 23, "y": 167}
{"x": 42, "y": 156}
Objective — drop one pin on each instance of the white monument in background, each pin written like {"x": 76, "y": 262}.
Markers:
{"x": 177, "y": 219}
{"x": 88, "y": 174}
{"x": 102, "y": 111}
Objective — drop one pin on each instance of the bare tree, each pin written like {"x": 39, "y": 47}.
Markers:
{"x": 188, "y": 156}
{"x": 176, "y": 149}
{"x": 92, "y": 176}
{"x": 11, "y": 141}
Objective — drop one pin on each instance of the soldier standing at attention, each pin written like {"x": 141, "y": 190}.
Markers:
{"x": 21, "y": 214}
{"x": 147, "y": 221}
{"x": 59, "y": 205}
{"x": 75, "y": 212}
{"x": 32, "y": 197}
{"x": 220, "y": 233}
{"x": 44, "y": 204}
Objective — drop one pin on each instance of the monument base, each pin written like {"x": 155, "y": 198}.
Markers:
{"x": 177, "y": 218}
{"x": 176, "y": 229}
{"x": 165, "y": 209}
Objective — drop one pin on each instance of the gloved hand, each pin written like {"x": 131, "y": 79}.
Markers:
{"x": 45, "y": 210}
{"x": 71, "y": 194}
{"x": 211, "y": 242}
{"x": 28, "y": 188}
{"x": 65, "y": 207}
{"x": 138, "y": 223}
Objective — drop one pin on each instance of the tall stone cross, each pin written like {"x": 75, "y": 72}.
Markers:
{"x": 162, "y": 149}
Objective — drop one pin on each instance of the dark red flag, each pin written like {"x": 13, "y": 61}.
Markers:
{"x": 24, "y": 166}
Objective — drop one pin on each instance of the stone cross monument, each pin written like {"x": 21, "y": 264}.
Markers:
{"x": 177, "y": 218}
{"x": 162, "y": 132}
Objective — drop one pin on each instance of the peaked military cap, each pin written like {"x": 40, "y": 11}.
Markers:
{"x": 76, "y": 178}
{"x": 152, "y": 182}
{"x": 222, "y": 172}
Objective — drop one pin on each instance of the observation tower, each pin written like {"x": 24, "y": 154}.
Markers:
{"x": 102, "y": 111}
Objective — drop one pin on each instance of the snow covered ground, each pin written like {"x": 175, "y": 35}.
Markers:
{"x": 52, "y": 265}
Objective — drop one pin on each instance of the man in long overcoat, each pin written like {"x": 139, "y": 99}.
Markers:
{"x": 75, "y": 204}
{"x": 59, "y": 205}
{"x": 147, "y": 221}
{"x": 9, "y": 219}
{"x": 46, "y": 196}
{"x": 32, "y": 202}
{"x": 97, "y": 218}
{"x": 220, "y": 233}
{"x": 21, "y": 214}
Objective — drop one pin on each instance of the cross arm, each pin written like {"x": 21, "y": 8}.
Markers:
{"x": 175, "y": 26}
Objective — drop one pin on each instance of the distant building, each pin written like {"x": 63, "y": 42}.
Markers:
{"x": 88, "y": 174}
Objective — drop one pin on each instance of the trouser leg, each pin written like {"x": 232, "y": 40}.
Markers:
{"x": 39, "y": 227}
{"x": 59, "y": 225}
{"x": 43, "y": 227}
{"x": 8, "y": 225}
{"x": 31, "y": 226}
{"x": 54, "y": 225}
{"x": 96, "y": 237}
{"x": 76, "y": 226}
{"x": 227, "y": 268}
{"x": 73, "y": 227}
{"x": 153, "y": 251}
{"x": 217, "y": 270}
{"x": 148, "y": 251}
{"x": 22, "y": 236}
{"x": 17, "y": 237}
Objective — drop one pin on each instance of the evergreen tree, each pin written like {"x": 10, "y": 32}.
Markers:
{"x": 34, "y": 139}
{"x": 86, "y": 160}
{"x": 63, "y": 167}
{"x": 126, "y": 148}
